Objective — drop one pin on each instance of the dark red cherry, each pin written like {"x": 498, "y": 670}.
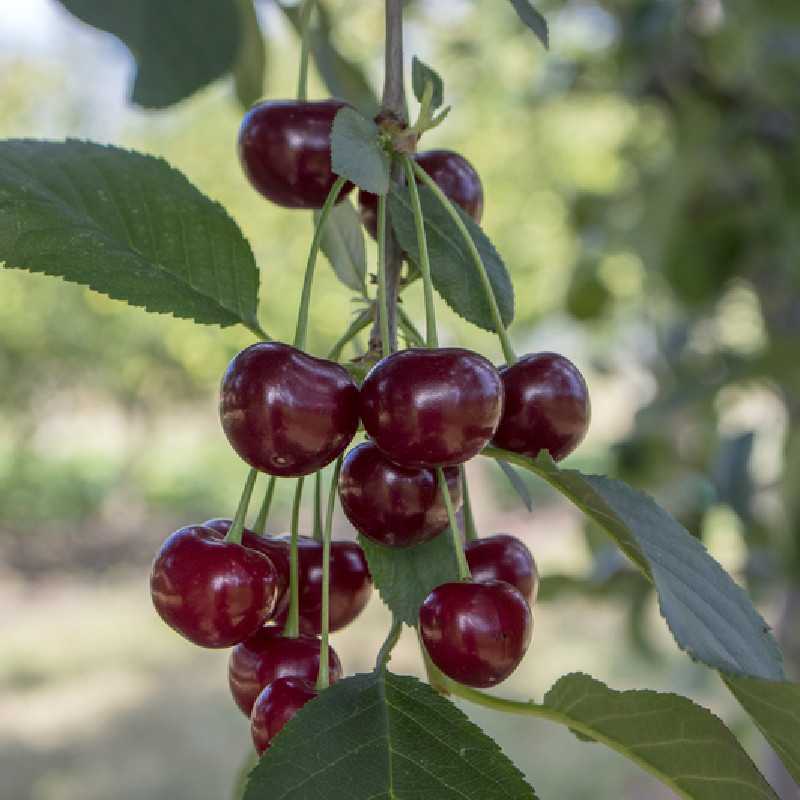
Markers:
{"x": 267, "y": 656}
{"x": 285, "y": 150}
{"x": 215, "y": 593}
{"x": 547, "y": 406}
{"x": 275, "y": 706}
{"x": 476, "y": 633}
{"x": 394, "y": 506}
{"x": 455, "y": 176}
{"x": 504, "y": 558}
{"x": 287, "y": 413}
{"x": 432, "y": 408}
{"x": 351, "y": 584}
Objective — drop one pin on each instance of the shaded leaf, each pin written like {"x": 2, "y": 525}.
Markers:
{"x": 343, "y": 244}
{"x": 519, "y": 486}
{"x": 533, "y": 19}
{"x": 356, "y": 152}
{"x": 421, "y": 75}
{"x": 127, "y": 225}
{"x": 251, "y": 61}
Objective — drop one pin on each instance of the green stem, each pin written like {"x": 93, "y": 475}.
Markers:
{"x": 431, "y": 337}
{"x": 260, "y": 526}
{"x": 470, "y": 531}
{"x": 361, "y": 322}
{"x": 502, "y": 333}
{"x": 235, "y": 533}
{"x": 317, "y": 534}
{"x": 305, "y": 19}
{"x": 383, "y": 302}
{"x": 259, "y": 332}
{"x": 292, "y": 629}
{"x": 410, "y": 328}
{"x": 323, "y": 678}
{"x": 305, "y": 299}
{"x": 461, "y": 557}
{"x": 385, "y": 653}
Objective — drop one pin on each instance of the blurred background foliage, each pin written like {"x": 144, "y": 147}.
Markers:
{"x": 642, "y": 182}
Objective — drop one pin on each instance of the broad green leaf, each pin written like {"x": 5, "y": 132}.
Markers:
{"x": 179, "y": 46}
{"x": 710, "y": 616}
{"x": 405, "y": 576}
{"x": 251, "y": 61}
{"x": 384, "y": 737}
{"x": 127, "y": 225}
{"x": 452, "y": 269}
{"x": 519, "y": 486}
{"x": 343, "y": 244}
{"x": 684, "y": 745}
{"x": 421, "y": 76}
{"x": 356, "y": 152}
{"x": 533, "y": 19}
{"x": 775, "y": 707}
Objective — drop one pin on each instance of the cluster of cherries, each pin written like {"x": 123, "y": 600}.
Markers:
{"x": 289, "y": 414}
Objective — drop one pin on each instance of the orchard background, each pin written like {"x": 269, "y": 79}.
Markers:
{"x": 642, "y": 182}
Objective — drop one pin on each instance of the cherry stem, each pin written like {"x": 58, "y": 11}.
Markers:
{"x": 305, "y": 19}
{"x": 461, "y": 557}
{"x": 470, "y": 531}
{"x": 431, "y": 337}
{"x": 317, "y": 534}
{"x": 292, "y": 629}
{"x": 502, "y": 333}
{"x": 385, "y": 653}
{"x": 383, "y": 302}
{"x": 323, "y": 678}
{"x": 361, "y": 322}
{"x": 308, "y": 280}
{"x": 260, "y": 526}
{"x": 237, "y": 527}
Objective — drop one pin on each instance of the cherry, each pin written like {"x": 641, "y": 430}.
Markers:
{"x": 285, "y": 150}
{"x": 275, "y": 706}
{"x": 432, "y": 408}
{"x": 267, "y": 656}
{"x": 287, "y": 413}
{"x": 503, "y": 558}
{"x": 476, "y": 633}
{"x": 394, "y": 506}
{"x": 213, "y": 592}
{"x": 455, "y": 176}
{"x": 547, "y": 406}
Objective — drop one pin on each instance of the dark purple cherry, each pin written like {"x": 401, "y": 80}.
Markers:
{"x": 285, "y": 150}
{"x": 455, "y": 176}
{"x": 213, "y": 592}
{"x": 547, "y": 406}
{"x": 275, "y": 706}
{"x": 267, "y": 656}
{"x": 476, "y": 633}
{"x": 395, "y": 506}
{"x": 432, "y": 408}
{"x": 287, "y": 413}
{"x": 504, "y": 558}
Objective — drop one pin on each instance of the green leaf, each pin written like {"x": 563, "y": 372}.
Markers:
{"x": 711, "y": 618}
{"x": 775, "y": 708}
{"x": 179, "y": 46}
{"x": 533, "y": 19}
{"x": 384, "y": 737}
{"x": 127, "y": 225}
{"x": 343, "y": 244}
{"x": 356, "y": 152}
{"x": 684, "y": 745}
{"x": 421, "y": 76}
{"x": 452, "y": 269}
{"x": 405, "y": 576}
{"x": 519, "y": 486}
{"x": 251, "y": 61}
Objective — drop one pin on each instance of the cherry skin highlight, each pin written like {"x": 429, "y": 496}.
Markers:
{"x": 275, "y": 706}
{"x": 394, "y": 506}
{"x": 212, "y": 592}
{"x": 504, "y": 558}
{"x": 285, "y": 151}
{"x": 431, "y": 408}
{"x": 287, "y": 413}
{"x": 547, "y": 406}
{"x": 454, "y": 175}
{"x": 476, "y": 633}
{"x": 267, "y": 656}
